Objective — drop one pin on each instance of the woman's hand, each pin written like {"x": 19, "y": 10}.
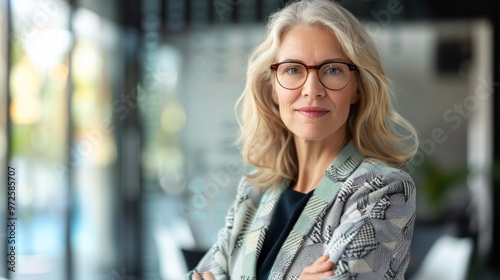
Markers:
{"x": 206, "y": 276}
{"x": 320, "y": 269}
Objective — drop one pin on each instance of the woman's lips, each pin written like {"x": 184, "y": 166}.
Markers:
{"x": 312, "y": 112}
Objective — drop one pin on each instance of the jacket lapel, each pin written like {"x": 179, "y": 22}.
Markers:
{"x": 257, "y": 232}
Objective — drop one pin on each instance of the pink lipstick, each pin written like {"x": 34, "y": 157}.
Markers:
{"x": 312, "y": 112}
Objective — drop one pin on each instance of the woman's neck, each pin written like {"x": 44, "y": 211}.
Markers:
{"x": 314, "y": 157}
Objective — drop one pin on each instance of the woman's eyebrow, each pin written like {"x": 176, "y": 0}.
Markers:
{"x": 334, "y": 60}
{"x": 293, "y": 60}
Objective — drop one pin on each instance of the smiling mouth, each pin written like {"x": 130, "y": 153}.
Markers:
{"x": 312, "y": 112}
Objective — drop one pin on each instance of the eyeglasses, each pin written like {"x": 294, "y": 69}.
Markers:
{"x": 332, "y": 75}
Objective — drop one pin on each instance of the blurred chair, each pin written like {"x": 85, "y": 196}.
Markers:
{"x": 169, "y": 242}
{"x": 448, "y": 259}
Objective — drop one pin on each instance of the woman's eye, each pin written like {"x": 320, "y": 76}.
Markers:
{"x": 333, "y": 71}
{"x": 292, "y": 70}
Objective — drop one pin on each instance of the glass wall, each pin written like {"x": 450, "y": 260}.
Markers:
{"x": 65, "y": 63}
{"x": 39, "y": 90}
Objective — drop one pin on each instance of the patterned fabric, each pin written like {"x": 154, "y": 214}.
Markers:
{"x": 361, "y": 214}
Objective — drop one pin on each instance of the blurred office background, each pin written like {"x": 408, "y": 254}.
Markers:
{"x": 118, "y": 119}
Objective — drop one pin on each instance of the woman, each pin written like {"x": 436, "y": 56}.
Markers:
{"x": 327, "y": 198}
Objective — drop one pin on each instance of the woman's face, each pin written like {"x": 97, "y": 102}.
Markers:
{"x": 312, "y": 111}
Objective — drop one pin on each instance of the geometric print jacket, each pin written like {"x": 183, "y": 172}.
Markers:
{"x": 361, "y": 214}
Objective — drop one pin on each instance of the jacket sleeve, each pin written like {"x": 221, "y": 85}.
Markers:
{"x": 373, "y": 238}
{"x": 216, "y": 260}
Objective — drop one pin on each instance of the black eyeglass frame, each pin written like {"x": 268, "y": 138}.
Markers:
{"x": 352, "y": 67}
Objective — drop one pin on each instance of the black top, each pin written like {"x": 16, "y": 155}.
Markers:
{"x": 288, "y": 210}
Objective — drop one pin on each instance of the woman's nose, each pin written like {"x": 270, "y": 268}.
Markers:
{"x": 313, "y": 87}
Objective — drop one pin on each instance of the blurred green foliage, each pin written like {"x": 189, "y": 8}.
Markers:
{"x": 435, "y": 182}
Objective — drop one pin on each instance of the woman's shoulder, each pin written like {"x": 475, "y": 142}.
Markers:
{"x": 373, "y": 168}
{"x": 372, "y": 175}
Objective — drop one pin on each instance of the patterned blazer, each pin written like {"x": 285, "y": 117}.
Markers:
{"x": 361, "y": 214}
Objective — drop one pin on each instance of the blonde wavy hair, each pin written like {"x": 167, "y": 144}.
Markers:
{"x": 376, "y": 129}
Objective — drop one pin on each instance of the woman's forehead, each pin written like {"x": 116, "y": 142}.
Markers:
{"x": 309, "y": 43}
